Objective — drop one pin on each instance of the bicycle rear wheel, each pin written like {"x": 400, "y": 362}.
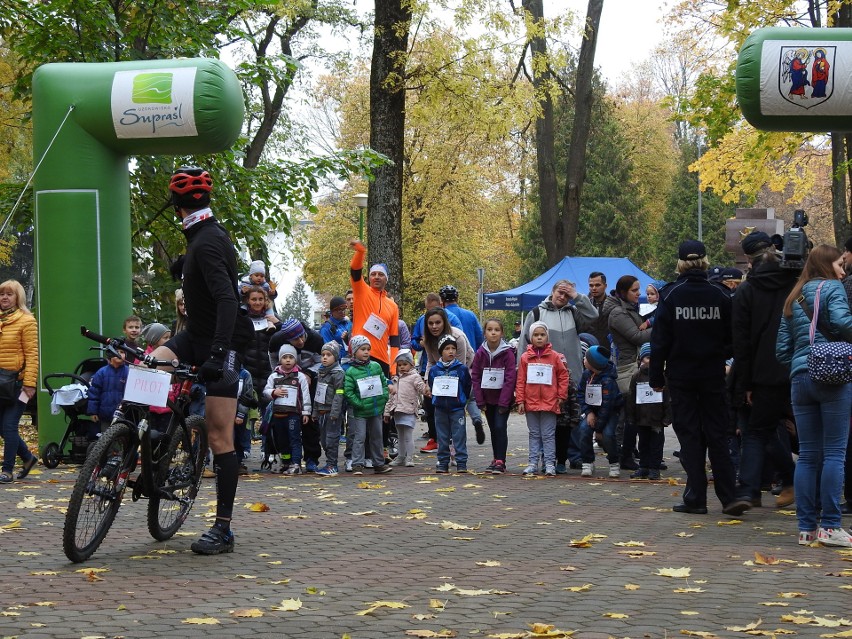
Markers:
{"x": 97, "y": 493}
{"x": 178, "y": 479}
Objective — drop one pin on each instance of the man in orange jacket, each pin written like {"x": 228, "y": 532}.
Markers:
{"x": 374, "y": 314}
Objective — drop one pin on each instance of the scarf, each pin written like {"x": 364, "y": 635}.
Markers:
{"x": 198, "y": 216}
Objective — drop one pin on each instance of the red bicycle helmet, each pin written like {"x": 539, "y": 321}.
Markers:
{"x": 191, "y": 187}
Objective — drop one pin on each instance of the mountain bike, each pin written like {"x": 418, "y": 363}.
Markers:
{"x": 170, "y": 461}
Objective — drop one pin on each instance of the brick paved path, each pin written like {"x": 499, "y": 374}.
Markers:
{"x": 338, "y": 548}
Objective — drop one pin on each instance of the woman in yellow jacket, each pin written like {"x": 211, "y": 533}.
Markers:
{"x": 18, "y": 352}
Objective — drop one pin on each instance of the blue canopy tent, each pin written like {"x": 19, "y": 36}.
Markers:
{"x": 574, "y": 269}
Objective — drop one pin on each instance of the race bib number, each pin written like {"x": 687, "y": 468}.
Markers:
{"x": 594, "y": 395}
{"x": 260, "y": 324}
{"x": 647, "y": 395}
{"x": 290, "y": 399}
{"x": 446, "y": 386}
{"x": 319, "y": 395}
{"x": 540, "y": 374}
{"x": 370, "y": 387}
{"x": 375, "y": 326}
{"x": 493, "y": 378}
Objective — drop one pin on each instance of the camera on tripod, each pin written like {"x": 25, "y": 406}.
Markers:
{"x": 795, "y": 247}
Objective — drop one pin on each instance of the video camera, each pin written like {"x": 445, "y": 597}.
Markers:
{"x": 795, "y": 244}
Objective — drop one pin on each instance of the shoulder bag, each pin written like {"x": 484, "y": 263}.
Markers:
{"x": 828, "y": 362}
{"x": 9, "y": 386}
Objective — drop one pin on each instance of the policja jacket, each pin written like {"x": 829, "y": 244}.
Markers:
{"x": 692, "y": 330}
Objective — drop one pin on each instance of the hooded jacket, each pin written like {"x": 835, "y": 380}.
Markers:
{"x": 612, "y": 399}
{"x": 332, "y": 400}
{"x": 793, "y": 344}
{"x": 757, "y": 309}
{"x": 367, "y": 406}
{"x": 19, "y": 345}
{"x": 503, "y": 357}
{"x": 563, "y": 327}
{"x": 409, "y": 387}
{"x": 106, "y": 391}
{"x": 542, "y": 397}
{"x": 256, "y": 355}
{"x": 647, "y": 415}
{"x": 451, "y": 369}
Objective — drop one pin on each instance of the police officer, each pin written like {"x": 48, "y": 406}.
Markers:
{"x": 689, "y": 345}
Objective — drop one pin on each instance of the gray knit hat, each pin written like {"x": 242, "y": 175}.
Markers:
{"x": 405, "y": 356}
{"x": 333, "y": 348}
{"x": 154, "y": 332}
{"x": 287, "y": 349}
{"x": 356, "y": 342}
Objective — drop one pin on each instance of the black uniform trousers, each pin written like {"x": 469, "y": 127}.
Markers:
{"x": 700, "y": 421}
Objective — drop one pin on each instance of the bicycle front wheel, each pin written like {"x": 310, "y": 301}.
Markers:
{"x": 97, "y": 493}
{"x": 178, "y": 479}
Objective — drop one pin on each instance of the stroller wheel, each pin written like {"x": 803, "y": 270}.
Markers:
{"x": 51, "y": 455}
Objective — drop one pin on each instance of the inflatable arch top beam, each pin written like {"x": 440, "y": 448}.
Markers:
{"x": 99, "y": 114}
{"x": 796, "y": 79}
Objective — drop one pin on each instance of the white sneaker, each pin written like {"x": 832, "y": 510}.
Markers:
{"x": 614, "y": 471}
{"x": 530, "y": 470}
{"x": 834, "y": 537}
{"x": 453, "y": 461}
{"x": 807, "y": 537}
{"x": 396, "y": 461}
{"x": 588, "y": 470}
{"x": 368, "y": 463}
{"x": 348, "y": 466}
{"x": 550, "y": 470}
{"x": 409, "y": 462}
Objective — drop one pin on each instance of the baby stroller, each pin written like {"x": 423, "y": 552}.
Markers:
{"x": 72, "y": 398}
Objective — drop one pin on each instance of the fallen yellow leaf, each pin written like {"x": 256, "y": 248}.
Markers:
{"x": 631, "y": 586}
{"x": 445, "y": 588}
{"x": 729, "y": 522}
{"x": 791, "y": 595}
{"x": 488, "y": 563}
{"x": 246, "y": 577}
{"x": 14, "y": 523}
{"x": 258, "y": 507}
{"x": 582, "y": 588}
{"x": 629, "y": 544}
{"x": 381, "y": 604}
{"x": 431, "y": 633}
{"x": 699, "y": 633}
{"x": 615, "y": 615}
{"x": 689, "y": 613}
{"x": 472, "y": 593}
{"x": 247, "y": 613}
{"x": 288, "y": 605}
{"x": 685, "y": 590}
{"x": 745, "y": 628}
{"x": 764, "y": 560}
{"x": 448, "y": 525}
{"x": 202, "y": 621}
{"x": 437, "y": 604}
{"x": 674, "y": 572}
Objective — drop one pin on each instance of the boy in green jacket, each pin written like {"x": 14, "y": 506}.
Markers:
{"x": 366, "y": 389}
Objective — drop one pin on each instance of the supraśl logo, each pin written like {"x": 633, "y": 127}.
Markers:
{"x": 154, "y": 103}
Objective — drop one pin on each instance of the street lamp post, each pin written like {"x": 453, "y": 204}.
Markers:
{"x": 360, "y": 200}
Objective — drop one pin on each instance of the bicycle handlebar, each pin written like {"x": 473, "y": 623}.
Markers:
{"x": 181, "y": 369}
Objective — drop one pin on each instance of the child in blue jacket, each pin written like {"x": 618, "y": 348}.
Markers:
{"x": 600, "y": 403}
{"x": 450, "y": 384}
{"x": 106, "y": 390}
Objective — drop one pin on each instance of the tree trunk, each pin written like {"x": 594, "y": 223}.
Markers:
{"x": 551, "y": 223}
{"x": 387, "y": 133}
{"x": 575, "y": 174}
{"x": 841, "y": 153}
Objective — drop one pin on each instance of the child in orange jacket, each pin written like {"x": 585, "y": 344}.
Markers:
{"x": 541, "y": 387}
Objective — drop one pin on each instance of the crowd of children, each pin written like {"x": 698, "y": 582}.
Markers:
{"x": 347, "y": 397}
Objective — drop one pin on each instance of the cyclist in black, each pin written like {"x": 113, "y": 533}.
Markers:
{"x": 216, "y": 334}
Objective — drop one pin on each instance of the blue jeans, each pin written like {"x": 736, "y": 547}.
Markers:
{"x": 287, "y": 433}
{"x": 610, "y": 443}
{"x": 822, "y": 420}
{"x": 13, "y": 445}
{"x": 473, "y": 410}
{"x": 450, "y": 424}
{"x": 498, "y": 424}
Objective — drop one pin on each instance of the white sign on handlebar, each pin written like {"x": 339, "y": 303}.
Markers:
{"x": 147, "y": 386}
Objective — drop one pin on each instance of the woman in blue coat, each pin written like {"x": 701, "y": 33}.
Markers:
{"x": 821, "y": 410}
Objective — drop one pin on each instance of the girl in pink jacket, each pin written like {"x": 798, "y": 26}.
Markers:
{"x": 403, "y": 406}
{"x": 542, "y": 386}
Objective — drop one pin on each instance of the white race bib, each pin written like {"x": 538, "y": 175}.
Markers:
{"x": 594, "y": 395}
{"x": 375, "y": 326}
{"x": 647, "y": 395}
{"x": 290, "y": 398}
{"x": 445, "y": 386}
{"x": 260, "y": 323}
{"x": 540, "y": 374}
{"x": 493, "y": 378}
{"x": 147, "y": 386}
{"x": 319, "y": 395}
{"x": 370, "y": 387}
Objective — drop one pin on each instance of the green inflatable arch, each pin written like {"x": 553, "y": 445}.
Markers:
{"x": 796, "y": 79}
{"x": 87, "y": 120}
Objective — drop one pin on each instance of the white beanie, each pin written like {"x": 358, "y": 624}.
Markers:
{"x": 257, "y": 267}
{"x": 287, "y": 349}
{"x": 536, "y": 325}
